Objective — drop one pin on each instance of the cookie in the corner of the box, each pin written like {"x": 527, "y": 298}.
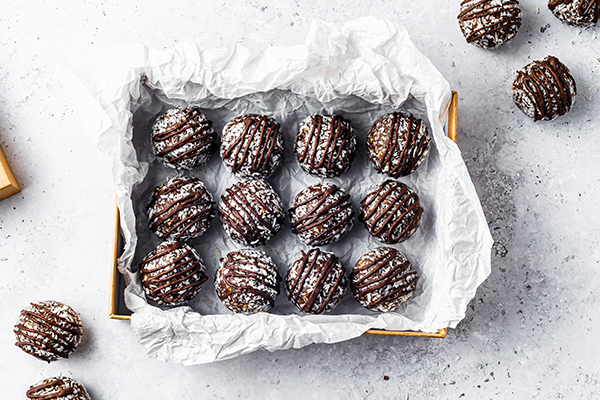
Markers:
{"x": 582, "y": 13}
{"x": 397, "y": 144}
{"x": 489, "y": 23}
{"x": 383, "y": 279}
{"x": 391, "y": 212}
{"x": 251, "y": 212}
{"x": 180, "y": 209}
{"x": 252, "y": 146}
{"x": 48, "y": 330}
{"x": 325, "y": 145}
{"x": 58, "y": 388}
{"x": 183, "y": 138}
{"x": 316, "y": 282}
{"x": 544, "y": 89}
{"x": 172, "y": 274}
{"x": 321, "y": 214}
{"x": 247, "y": 281}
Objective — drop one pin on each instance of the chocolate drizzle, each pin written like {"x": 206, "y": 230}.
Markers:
{"x": 247, "y": 281}
{"x": 180, "y": 209}
{"x": 252, "y": 146}
{"x": 383, "y": 279}
{"x": 60, "y": 388}
{"x": 325, "y": 145}
{"x": 172, "y": 273}
{"x": 576, "y": 12}
{"x": 48, "y": 330}
{"x": 251, "y": 212}
{"x": 392, "y": 212}
{"x": 316, "y": 282}
{"x": 544, "y": 89}
{"x": 321, "y": 214}
{"x": 184, "y": 137}
{"x": 489, "y": 23}
{"x": 397, "y": 144}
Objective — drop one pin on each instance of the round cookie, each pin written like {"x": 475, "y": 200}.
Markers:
{"x": 172, "y": 274}
{"x": 316, "y": 282}
{"x": 397, "y": 144}
{"x": 391, "y": 212}
{"x": 544, "y": 89}
{"x": 383, "y": 279}
{"x": 58, "y": 388}
{"x": 325, "y": 145}
{"x": 489, "y": 23}
{"x": 252, "y": 146}
{"x": 251, "y": 212}
{"x": 247, "y": 281}
{"x": 183, "y": 138}
{"x": 180, "y": 209}
{"x": 582, "y": 13}
{"x": 321, "y": 214}
{"x": 48, "y": 330}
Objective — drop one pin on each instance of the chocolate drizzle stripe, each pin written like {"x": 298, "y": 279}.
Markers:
{"x": 592, "y": 6}
{"x": 56, "y": 393}
{"x": 267, "y": 131}
{"x": 339, "y": 134}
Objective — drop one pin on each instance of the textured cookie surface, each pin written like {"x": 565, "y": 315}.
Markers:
{"x": 172, "y": 273}
{"x": 247, "y": 281}
{"x": 252, "y": 146}
{"x": 544, "y": 89}
{"x": 582, "y": 13}
{"x": 383, "y": 279}
{"x": 489, "y": 23}
{"x": 251, "y": 212}
{"x": 180, "y": 209}
{"x": 48, "y": 330}
{"x": 183, "y": 138}
{"x": 391, "y": 212}
{"x": 59, "y": 388}
{"x": 321, "y": 214}
{"x": 397, "y": 144}
{"x": 325, "y": 145}
{"x": 316, "y": 282}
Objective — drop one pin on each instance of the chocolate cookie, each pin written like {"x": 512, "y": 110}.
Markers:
{"x": 183, "y": 138}
{"x": 489, "y": 23}
{"x": 251, "y": 212}
{"x": 397, "y": 144}
{"x": 582, "y": 13}
{"x": 172, "y": 274}
{"x": 383, "y": 279}
{"x": 48, "y": 330}
{"x": 544, "y": 89}
{"x": 252, "y": 146}
{"x": 58, "y": 388}
{"x": 391, "y": 212}
{"x": 247, "y": 281}
{"x": 316, "y": 282}
{"x": 325, "y": 145}
{"x": 321, "y": 214}
{"x": 180, "y": 209}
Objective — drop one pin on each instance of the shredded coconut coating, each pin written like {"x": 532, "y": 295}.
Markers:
{"x": 581, "y": 13}
{"x": 247, "y": 281}
{"x": 383, "y": 279}
{"x": 252, "y": 146}
{"x": 321, "y": 214}
{"x": 180, "y": 209}
{"x": 391, "y": 212}
{"x": 183, "y": 138}
{"x": 172, "y": 273}
{"x": 48, "y": 330}
{"x": 251, "y": 212}
{"x": 489, "y": 23}
{"x": 58, "y": 388}
{"x": 397, "y": 144}
{"x": 544, "y": 89}
{"x": 316, "y": 282}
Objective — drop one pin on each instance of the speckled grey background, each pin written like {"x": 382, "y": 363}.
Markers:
{"x": 528, "y": 333}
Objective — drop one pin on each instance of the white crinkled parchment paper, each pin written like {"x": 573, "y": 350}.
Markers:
{"x": 366, "y": 68}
